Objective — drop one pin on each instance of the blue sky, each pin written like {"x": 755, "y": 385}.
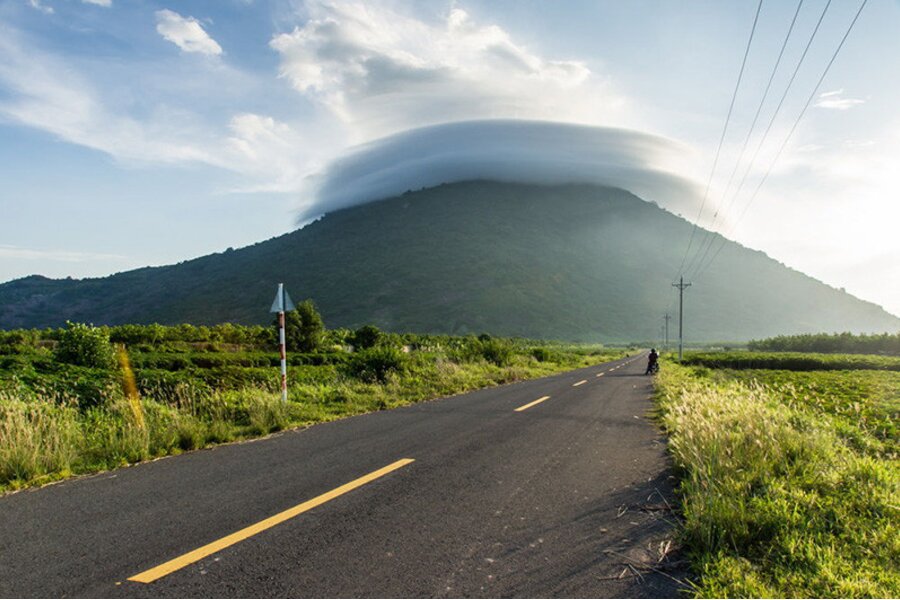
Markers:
{"x": 136, "y": 133}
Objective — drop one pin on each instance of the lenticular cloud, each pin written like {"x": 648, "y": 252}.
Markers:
{"x": 536, "y": 152}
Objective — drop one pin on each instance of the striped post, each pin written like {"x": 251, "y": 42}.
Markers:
{"x": 281, "y": 305}
{"x": 283, "y": 356}
{"x": 282, "y": 344}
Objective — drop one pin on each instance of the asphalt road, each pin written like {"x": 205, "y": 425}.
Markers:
{"x": 553, "y": 500}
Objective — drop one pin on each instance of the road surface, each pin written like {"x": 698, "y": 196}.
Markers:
{"x": 550, "y": 487}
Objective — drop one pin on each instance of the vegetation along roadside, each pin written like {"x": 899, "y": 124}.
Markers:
{"x": 84, "y": 399}
{"x": 789, "y": 480}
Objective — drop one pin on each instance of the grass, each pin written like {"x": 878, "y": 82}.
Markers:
{"x": 59, "y": 420}
{"x": 793, "y": 361}
{"x": 863, "y": 407}
{"x": 789, "y": 481}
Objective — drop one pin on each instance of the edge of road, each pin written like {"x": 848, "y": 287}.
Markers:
{"x": 296, "y": 428}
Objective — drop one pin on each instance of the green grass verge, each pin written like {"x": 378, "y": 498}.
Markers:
{"x": 789, "y": 481}
{"x": 59, "y": 420}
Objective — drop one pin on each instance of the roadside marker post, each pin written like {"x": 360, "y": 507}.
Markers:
{"x": 281, "y": 305}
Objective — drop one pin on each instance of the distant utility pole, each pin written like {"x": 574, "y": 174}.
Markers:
{"x": 667, "y": 317}
{"x": 680, "y": 285}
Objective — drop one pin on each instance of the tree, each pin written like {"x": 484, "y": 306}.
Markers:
{"x": 85, "y": 345}
{"x": 303, "y": 327}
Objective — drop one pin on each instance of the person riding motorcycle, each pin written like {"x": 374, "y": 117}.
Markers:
{"x": 652, "y": 362}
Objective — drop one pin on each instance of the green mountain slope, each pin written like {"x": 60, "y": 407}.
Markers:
{"x": 572, "y": 262}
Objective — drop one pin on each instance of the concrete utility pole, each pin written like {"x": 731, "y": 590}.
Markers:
{"x": 667, "y": 317}
{"x": 681, "y": 285}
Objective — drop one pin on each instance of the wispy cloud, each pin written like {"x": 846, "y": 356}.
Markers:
{"x": 18, "y": 252}
{"x": 186, "y": 33}
{"x": 104, "y": 3}
{"x": 48, "y": 94}
{"x": 38, "y": 5}
{"x": 834, "y": 100}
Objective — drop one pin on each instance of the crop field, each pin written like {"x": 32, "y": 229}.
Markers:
{"x": 790, "y": 485}
{"x": 84, "y": 399}
{"x": 792, "y": 361}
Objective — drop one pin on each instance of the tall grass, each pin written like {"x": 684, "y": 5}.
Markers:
{"x": 775, "y": 503}
{"x": 36, "y": 439}
{"x": 42, "y": 439}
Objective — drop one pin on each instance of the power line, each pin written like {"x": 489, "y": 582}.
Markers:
{"x": 765, "y": 135}
{"x": 790, "y": 133}
{"x": 722, "y": 137}
{"x": 708, "y": 237}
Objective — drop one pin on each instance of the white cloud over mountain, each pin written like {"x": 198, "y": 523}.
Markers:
{"x": 382, "y": 71}
{"x": 539, "y": 152}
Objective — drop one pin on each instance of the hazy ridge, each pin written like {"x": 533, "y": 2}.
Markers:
{"x": 573, "y": 262}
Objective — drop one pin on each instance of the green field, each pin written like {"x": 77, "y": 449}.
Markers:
{"x": 187, "y": 387}
{"x": 792, "y": 361}
{"x": 790, "y": 485}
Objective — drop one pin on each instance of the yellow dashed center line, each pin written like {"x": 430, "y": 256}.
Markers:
{"x": 582, "y": 382}
{"x": 530, "y": 404}
{"x": 229, "y": 540}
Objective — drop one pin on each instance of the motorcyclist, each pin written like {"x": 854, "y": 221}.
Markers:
{"x": 652, "y": 361}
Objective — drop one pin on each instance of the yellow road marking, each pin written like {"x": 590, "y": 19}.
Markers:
{"x": 582, "y": 382}
{"x": 600, "y": 374}
{"x": 530, "y": 404}
{"x": 229, "y": 540}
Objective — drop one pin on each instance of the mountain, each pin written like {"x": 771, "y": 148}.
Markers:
{"x": 573, "y": 262}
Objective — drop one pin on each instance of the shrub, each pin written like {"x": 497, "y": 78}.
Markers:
{"x": 366, "y": 336}
{"x": 375, "y": 364}
{"x": 544, "y": 355}
{"x": 497, "y": 352}
{"x": 85, "y": 345}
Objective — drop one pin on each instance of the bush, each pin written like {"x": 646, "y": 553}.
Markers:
{"x": 544, "y": 355}
{"x": 496, "y": 351}
{"x": 85, "y": 345}
{"x": 366, "y": 336}
{"x": 375, "y": 364}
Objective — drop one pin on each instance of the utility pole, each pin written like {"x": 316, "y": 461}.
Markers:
{"x": 667, "y": 317}
{"x": 681, "y": 285}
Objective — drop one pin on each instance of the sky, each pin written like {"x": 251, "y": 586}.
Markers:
{"x": 146, "y": 133}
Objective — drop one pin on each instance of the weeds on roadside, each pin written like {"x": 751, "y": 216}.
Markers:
{"x": 775, "y": 502}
